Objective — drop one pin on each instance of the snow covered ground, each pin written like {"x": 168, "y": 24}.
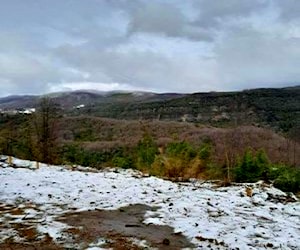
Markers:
{"x": 211, "y": 217}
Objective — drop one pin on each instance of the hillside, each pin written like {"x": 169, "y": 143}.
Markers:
{"x": 278, "y": 109}
{"x": 105, "y": 136}
{"x": 275, "y": 108}
{"x": 91, "y": 98}
{"x": 102, "y": 134}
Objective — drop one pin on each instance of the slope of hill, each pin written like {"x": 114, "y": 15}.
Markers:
{"x": 275, "y": 108}
{"x": 102, "y": 134}
{"x": 90, "y": 98}
{"x": 18, "y": 101}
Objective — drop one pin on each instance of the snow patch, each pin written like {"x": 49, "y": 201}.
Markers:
{"x": 220, "y": 217}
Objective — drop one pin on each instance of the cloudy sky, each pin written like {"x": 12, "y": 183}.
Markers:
{"x": 157, "y": 45}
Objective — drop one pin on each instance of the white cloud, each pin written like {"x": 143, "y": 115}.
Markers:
{"x": 90, "y": 85}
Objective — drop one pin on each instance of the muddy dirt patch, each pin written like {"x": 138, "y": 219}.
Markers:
{"x": 120, "y": 227}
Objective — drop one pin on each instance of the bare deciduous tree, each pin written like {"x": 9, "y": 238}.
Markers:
{"x": 44, "y": 122}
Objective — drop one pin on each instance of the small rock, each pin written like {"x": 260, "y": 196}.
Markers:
{"x": 166, "y": 242}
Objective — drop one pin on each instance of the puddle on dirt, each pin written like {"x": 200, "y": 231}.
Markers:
{"x": 120, "y": 226}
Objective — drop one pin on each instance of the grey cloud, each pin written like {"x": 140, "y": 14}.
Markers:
{"x": 153, "y": 17}
{"x": 30, "y": 74}
{"x": 212, "y": 15}
{"x": 165, "y": 19}
{"x": 30, "y": 68}
{"x": 248, "y": 58}
{"x": 289, "y": 9}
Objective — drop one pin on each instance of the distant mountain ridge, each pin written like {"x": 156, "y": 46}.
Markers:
{"x": 71, "y": 99}
{"x": 278, "y": 108}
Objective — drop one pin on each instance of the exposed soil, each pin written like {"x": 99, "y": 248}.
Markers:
{"x": 31, "y": 239}
{"x": 119, "y": 226}
{"x": 30, "y": 246}
{"x": 117, "y": 229}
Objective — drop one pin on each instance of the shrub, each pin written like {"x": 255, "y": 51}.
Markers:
{"x": 256, "y": 167}
{"x": 181, "y": 159}
{"x": 146, "y": 151}
{"x": 158, "y": 166}
{"x": 252, "y": 168}
{"x": 75, "y": 154}
{"x": 205, "y": 151}
{"x": 182, "y": 150}
{"x": 123, "y": 162}
{"x": 173, "y": 167}
{"x": 285, "y": 178}
{"x": 288, "y": 181}
{"x": 215, "y": 172}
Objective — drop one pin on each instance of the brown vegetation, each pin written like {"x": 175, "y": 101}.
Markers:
{"x": 107, "y": 134}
